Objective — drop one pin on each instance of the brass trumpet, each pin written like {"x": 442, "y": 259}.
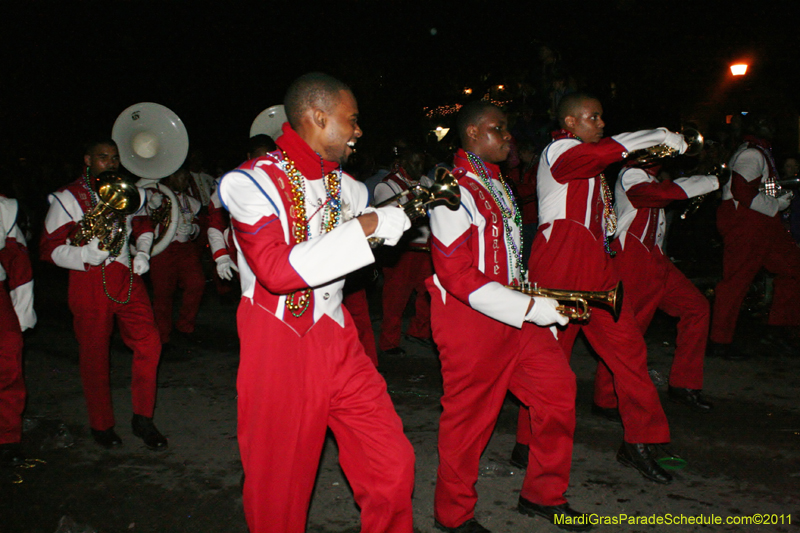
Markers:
{"x": 118, "y": 199}
{"x": 651, "y": 154}
{"x": 444, "y": 191}
{"x": 581, "y": 299}
{"x": 723, "y": 174}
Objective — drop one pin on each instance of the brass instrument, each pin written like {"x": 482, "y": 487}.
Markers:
{"x": 778, "y": 188}
{"x": 723, "y": 174}
{"x": 652, "y": 154}
{"x": 106, "y": 221}
{"x": 444, "y": 191}
{"x": 582, "y": 299}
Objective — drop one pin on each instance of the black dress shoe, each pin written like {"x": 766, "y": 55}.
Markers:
{"x": 470, "y": 526}
{"x": 519, "y": 455}
{"x": 691, "y": 397}
{"x": 107, "y": 438}
{"x": 609, "y": 413}
{"x": 11, "y": 454}
{"x": 562, "y": 516}
{"x": 639, "y": 456}
{"x": 144, "y": 428}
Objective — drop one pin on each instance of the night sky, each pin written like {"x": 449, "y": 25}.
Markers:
{"x": 67, "y": 73}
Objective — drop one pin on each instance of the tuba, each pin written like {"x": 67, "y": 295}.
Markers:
{"x": 581, "y": 299}
{"x": 153, "y": 144}
{"x": 118, "y": 199}
{"x": 269, "y": 122}
{"x": 652, "y": 154}
{"x": 444, "y": 191}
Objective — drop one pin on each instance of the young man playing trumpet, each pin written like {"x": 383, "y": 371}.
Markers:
{"x": 485, "y": 345}
{"x": 652, "y": 282}
{"x": 571, "y": 251}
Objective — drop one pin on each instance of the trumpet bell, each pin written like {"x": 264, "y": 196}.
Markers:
{"x": 118, "y": 194}
{"x": 152, "y": 140}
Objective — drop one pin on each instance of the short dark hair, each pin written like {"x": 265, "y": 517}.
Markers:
{"x": 314, "y": 89}
{"x": 569, "y": 104}
{"x": 262, "y": 140}
{"x": 470, "y": 115}
{"x": 93, "y": 143}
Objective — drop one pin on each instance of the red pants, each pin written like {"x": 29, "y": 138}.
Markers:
{"x": 291, "y": 389}
{"x": 652, "y": 282}
{"x": 356, "y": 303}
{"x": 573, "y": 259}
{"x": 93, "y": 318}
{"x": 177, "y": 267}
{"x": 399, "y": 281}
{"x": 12, "y": 385}
{"x": 478, "y": 368}
{"x": 752, "y": 241}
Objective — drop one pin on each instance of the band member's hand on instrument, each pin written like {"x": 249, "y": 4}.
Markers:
{"x": 225, "y": 267}
{"x": 675, "y": 141}
{"x": 91, "y": 254}
{"x": 186, "y": 228}
{"x": 141, "y": 263}
{"x": 543, "y": 312}
{"x": 784, "y": 201}
{"x": 392, "y": 223}
{"x": 155, "y": 200}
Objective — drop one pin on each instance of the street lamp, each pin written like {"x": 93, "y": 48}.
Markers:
{"x": 739, "y": 69}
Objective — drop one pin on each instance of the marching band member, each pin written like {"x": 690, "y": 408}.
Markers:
{"x": 178, "y": 266}
{"x": 576, "y": 219}
{"x": 16, "y": 315}
{"x": 753, "y": 238}
{"x": 652, "y": 282}
{"x": 406, "y": 266}
{"x": 485, "y": 347}
{"x": 103, "y": 287}
{"x": 302, "y": 368}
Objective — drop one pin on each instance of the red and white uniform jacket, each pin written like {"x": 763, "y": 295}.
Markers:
{"x": 639, "y": 200}
{"x": 16, "y": 271}
{"x": 471, "y": 256}
{"x": 220, "y": 236}
{"x": 259, "y": 197}
{"x": 398, "y": 182}
{"x": 568, "y": 183}
{"x": 67, "y": 207}
{"x": 752, "y": 164}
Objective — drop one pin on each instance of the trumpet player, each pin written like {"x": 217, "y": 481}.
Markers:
{"x": 753, "y": 237}
{"x": 405, "y": 266}
{"x": 102, "y": 288}
{"x": 571, "y": 250}
{"x": 486, "y": 345}
{"x": 652, "y": 282}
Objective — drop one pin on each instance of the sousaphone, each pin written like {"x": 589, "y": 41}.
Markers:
{"x": 269, "y": 122}
{"x": 153, "y": 144}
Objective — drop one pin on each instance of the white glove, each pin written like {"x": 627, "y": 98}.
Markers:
{"x": 141, "y": 263}
{"x": 155, "y": 200}
{"x": 185, "y": 228}
{"x": 392, "y": 223}
{"x": 225, "y": 267}
{"x": 91, "y": 254}
{"x": 784, "y": 201}
{"x": 675, "y": 141}
{"x": 543, "y": 313}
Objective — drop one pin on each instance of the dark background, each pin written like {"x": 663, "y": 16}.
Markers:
{"x": 69, "y": 68}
